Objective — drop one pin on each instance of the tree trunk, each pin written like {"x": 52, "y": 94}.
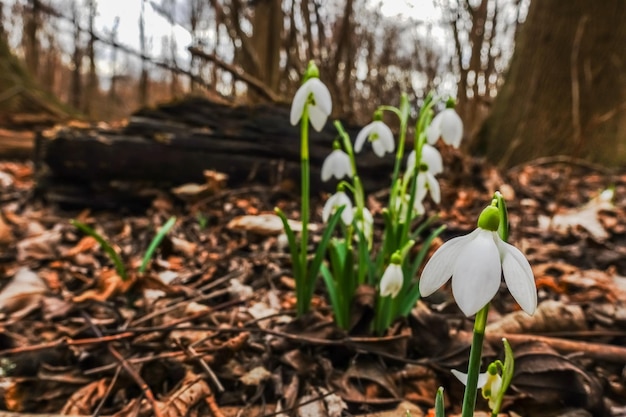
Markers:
{"x": 565, "y": 93}
{"x": 268, "y": 27}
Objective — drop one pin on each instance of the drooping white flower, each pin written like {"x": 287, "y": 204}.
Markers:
{"x": 431, "y": 160}
{"x": 379, "y": 134}
{"x": 490, "y": 385}
{"x": 430, "y": 165}
{"x": 313, "y": 95}
{"x": 426, "y": 181}
{"x": 392, "y": 280}
{"x": 476, "y": 263}
{"x": 335, "y": 201}
{"x": 366, "y": 224}
{"x": 448, "y": 126}
{"x": 402, "y": 202}
{"x": 336, "y": 164}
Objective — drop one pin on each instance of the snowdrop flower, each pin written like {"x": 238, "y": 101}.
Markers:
{"x": 313, "y": 96}
{"x": 336, "y": 164}
{"x": 335, "y": 201}
{"x": 489, "y": 382}
{"x": 418, "y": 205}
{"x": 447, "y": 125}
{"x": 476, "y": 263}
{"x": 393, "y": 279}
{"x": 365, "y": 224}
{"x": 379, "y": 134}
{"x": 426, "y": 181}
{"x": 430, "y": 165}
{"x": 431, "y": 160}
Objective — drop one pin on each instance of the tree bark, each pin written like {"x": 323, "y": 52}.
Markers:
{"x": 565, "y": 93}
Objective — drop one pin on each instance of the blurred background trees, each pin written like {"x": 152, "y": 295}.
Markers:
{"x": 255, "y": 51}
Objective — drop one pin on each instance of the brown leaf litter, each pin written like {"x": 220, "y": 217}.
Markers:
{"x": 209, "y": 329}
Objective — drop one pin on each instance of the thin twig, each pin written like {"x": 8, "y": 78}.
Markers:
{"x": 192, "y": 353}
{"x": 599, "y": 351}
{"x": 67, "y": 342}
{"x": 143, "y": 386}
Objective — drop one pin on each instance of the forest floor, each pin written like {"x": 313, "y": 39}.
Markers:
{"x": 210, "y": 328}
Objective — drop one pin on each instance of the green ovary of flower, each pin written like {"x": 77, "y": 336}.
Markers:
{"x": 489, "y": 219}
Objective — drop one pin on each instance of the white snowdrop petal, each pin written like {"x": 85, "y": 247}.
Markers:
{"x": 392, "y": 281}
{"x": 419, "y": 208}
{"x": 334, "y": 202}
{"x": 432, "y": 159}
{"x": 347, "y": 216}
{"x": 317, "y": 118}
{"x": 327, "y": 209}
{"x": 336, "y": 164}
{"x": 410, "y": 162}
{"x": 433, "y": 131}
{"x": 385, "y": 136}
{"x": 477, "y": 271}
{"x": 439, "y": 268}
{"x": 461, "y": 376}
{"x": 327, "y": 168}
{"x": 451, "y": 127}
{"x": 342, "y": 164}
{"x": 433, "y": 186}
{"x": 518, "y": 276}
{"x": 322, "y": 96}
{"x": 342, "y": 199}
{"x": 365, "y": 225}
{"x": 362, "y": 137}
{"x": 379, "y": 147}
{"x": 421, "y": 188}
{"x": 298, "y": 103}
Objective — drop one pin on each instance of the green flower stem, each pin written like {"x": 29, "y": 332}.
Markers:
{"x": 404, "y": 120}
{"x": 469, "y": 399}
{"x": 302, "y": 282}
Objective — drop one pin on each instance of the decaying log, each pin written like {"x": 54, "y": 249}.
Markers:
{"x": 173, "y": 144}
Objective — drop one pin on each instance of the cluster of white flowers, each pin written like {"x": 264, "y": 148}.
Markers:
{"x": 474, "y": 261}
{"x": 337, "y": 164}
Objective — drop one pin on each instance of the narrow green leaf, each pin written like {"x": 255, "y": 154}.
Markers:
{"x": 115, "y": 257}
{"x": 156, "y": 241}
{"x": 293, "y": 246}
{"x": 509, "y": 365}
{"x": 412, "y": 293}
{"x": 503, "y": 228}
{"x": 327, "y": 276}
{"x": 320, "y": 252}
{"x": 423, "y": 226}
{"x": 440, "y": 409}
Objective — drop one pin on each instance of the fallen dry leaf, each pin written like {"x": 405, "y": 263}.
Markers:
{"x": 328, "y": 405}
{"x": 40, "y": 247}
{"x": 585, "y": 217}
{"x": 191, "y": 391}
{"x": 87, "y": 243}
{"x": 550, "y": 316}
{"x": 266, "y": 224}
{"x": 548, "y": 378}
{"x": 84, "y": 400}
{"x": 109, "y": 284}
{"x": 23, "y": 293}
{"x": 6, "y": 233}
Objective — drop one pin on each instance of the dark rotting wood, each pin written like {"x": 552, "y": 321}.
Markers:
{"x": 174, "y": 143}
